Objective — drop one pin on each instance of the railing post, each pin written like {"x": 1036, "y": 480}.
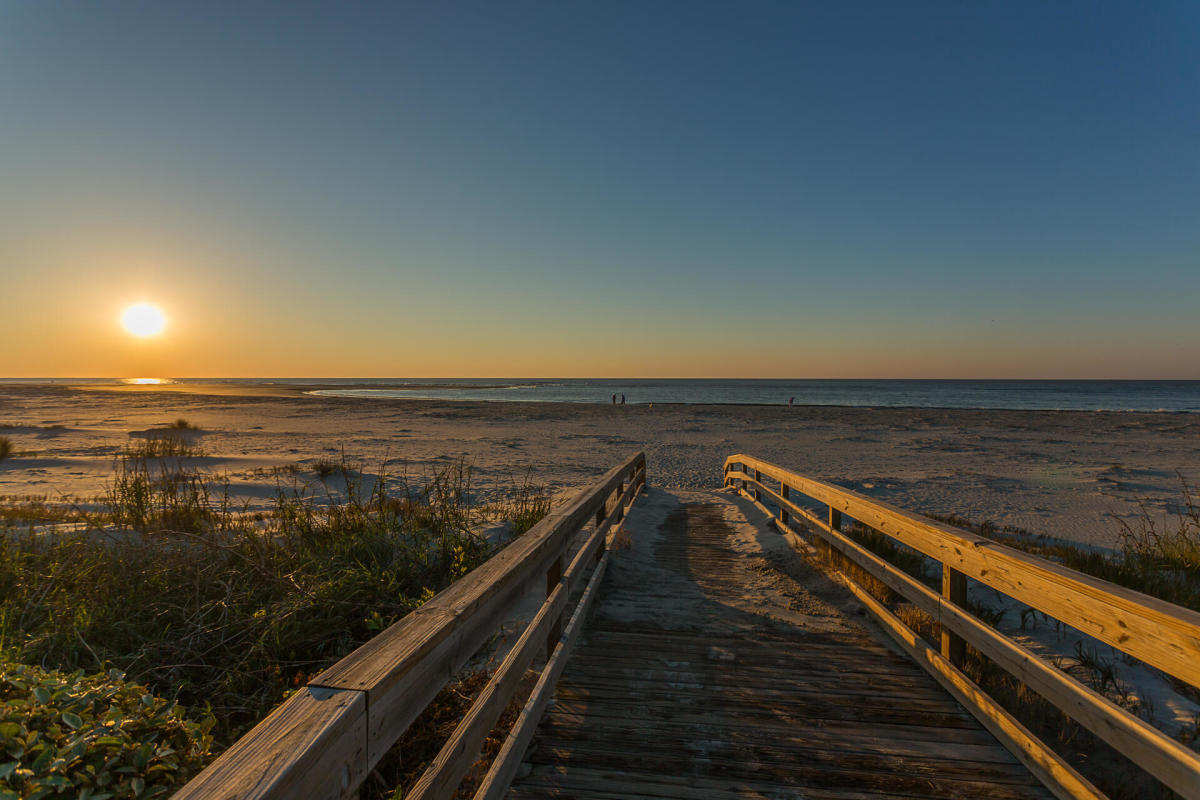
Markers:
{"x": 757, "y": 479}
{"x": 954, "y": 590}
{"x": 784, "y": 492}
{"x": 835, "y": 523}
{"x": 553, "y": 579}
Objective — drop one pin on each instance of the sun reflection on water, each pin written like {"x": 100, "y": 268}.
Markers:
{"x": 146, "y": 381}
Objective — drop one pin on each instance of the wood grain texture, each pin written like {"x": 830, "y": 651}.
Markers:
{"x": 313, "y": 745}
{"x": 1162, "y": 634}
{"x": 499, "y": 777}
{"x": 1171, "y": 762}
{"x": 660, "y": 701}
{"x": 324, "y": 740}
{"x": 461, "y": 751}
{"x": 403, "y": 668}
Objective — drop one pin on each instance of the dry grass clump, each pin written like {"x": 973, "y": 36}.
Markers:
{"x": 6, "y": 447}
{"x": 201, "y": 601}
{"x": 163, "y": 447}
{"x": 523, "y": 507}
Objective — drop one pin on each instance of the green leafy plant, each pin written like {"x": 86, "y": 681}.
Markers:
{"x": 93, "y": 737}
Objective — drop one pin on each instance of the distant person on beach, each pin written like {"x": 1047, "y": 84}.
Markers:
{"x": 622, "y": 399}
{"x": 791, "y": 401}
{"x": 614, "y": 399}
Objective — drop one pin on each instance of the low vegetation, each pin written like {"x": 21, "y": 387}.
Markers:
{"x": 6, "y": 447}
{"x": 221, "y": 610}
{"x": 70, "y": 735}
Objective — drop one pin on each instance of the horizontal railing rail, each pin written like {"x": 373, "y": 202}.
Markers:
{"x": 324, "y": 740}
{"x": 1158, "y": 633}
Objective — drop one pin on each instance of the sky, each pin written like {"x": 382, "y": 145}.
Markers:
{"x": 644, "y": 189}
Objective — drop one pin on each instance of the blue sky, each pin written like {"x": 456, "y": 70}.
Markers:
{"x": 642, "y": 189}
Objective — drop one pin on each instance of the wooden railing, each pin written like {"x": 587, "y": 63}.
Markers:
{"x": 1158, "y": 633}
{"x": 324, "y": 740}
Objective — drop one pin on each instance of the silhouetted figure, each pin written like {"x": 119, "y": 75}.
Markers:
{"x": 614, "y": 399}
{"x": 622, "y": 399}
{"x": 791, "y": 401}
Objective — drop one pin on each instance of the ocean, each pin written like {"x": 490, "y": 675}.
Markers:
{"x": 1177, "y": 396}
{"x": 1064, "y": 395}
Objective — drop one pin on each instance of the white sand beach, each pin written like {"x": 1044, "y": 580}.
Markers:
{"x": 1060, "y": 473}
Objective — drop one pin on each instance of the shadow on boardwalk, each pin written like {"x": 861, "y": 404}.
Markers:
{"x": 718, "y": 665}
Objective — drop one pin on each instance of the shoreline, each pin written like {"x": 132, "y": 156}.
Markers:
{"x": 219, "y": 389}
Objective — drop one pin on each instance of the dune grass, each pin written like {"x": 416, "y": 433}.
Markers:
{"x": 220, "y": 609}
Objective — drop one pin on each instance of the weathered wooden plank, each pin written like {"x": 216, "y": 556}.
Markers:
{"x": 324, "y": 740}
{"x": 622, "y": 783}
{"x": 761, "y": 688}
{"x": 1160, "y": 633}
{"x": 505, "y": 765}
{"x": 727, "y": 728}
{"x": 313, "y": 745}
{"x": 1057, "y": 775}
{"x": 771, "y": 711}
{"x": 800, "y": 775}
{"x": 404, "y": 667}
{"x": 1171, "y": 762}
{"x": 721, "y": 734}
{"x": 815, "y": 706}
{"x": 461, "y": 751}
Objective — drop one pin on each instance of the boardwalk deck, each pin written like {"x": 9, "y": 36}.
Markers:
{"x": 709, "y": 671}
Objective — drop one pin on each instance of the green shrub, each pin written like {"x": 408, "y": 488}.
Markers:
{"x": 92, "y": 737}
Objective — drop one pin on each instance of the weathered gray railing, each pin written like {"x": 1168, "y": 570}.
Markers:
{"x": 325, "y": 739}
{"x": 1158, "y": 633}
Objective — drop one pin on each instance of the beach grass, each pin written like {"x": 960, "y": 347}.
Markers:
{"x": 224, "y": 611}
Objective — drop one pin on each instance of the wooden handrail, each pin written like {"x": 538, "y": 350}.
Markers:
{"x": 325, "y": 739}
{"x": 1156, "y": 632}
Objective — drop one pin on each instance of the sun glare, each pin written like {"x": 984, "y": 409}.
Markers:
{"x": 143, "y": 319}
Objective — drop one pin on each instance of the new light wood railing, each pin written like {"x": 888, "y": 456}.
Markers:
{"x": 1157, "y": 633}
{"x": 324, "y": 740}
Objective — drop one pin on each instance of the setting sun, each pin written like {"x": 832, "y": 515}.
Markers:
{"x": 143, "y": 319}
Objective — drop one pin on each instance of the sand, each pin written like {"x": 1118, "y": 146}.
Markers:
{"x": 1060, "y": 473}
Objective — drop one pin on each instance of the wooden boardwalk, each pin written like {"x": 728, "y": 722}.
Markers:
{"x": 705, "y": 673}
{"x": 719, "y": 664}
